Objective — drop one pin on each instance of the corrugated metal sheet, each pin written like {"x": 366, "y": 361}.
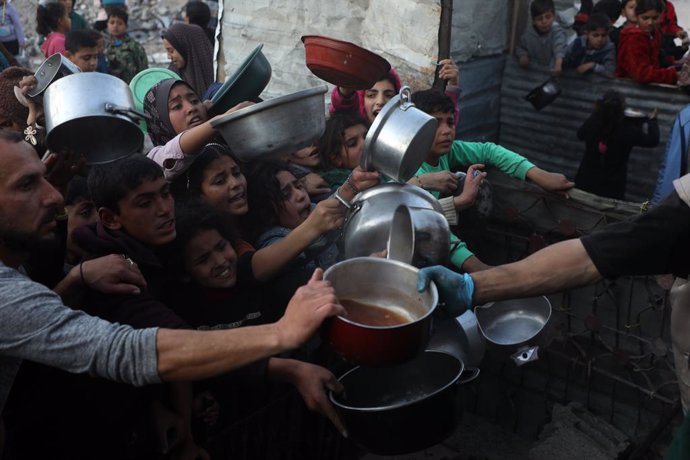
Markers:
{"x": 480, "y": 80}
{"x": 549, "y": 137}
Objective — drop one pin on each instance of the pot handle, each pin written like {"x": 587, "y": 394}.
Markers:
{"x": 525, "y": 355}
{"x": 405, "y": 98}
{"x": 134, "y": 115}
{"x": 474, "y": 373}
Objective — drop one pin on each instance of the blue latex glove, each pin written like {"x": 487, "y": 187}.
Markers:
{"x": 454, "y": 290}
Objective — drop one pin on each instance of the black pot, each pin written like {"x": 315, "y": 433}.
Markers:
{"x": 403, "y": 409}
{"x": 544, "y": 94}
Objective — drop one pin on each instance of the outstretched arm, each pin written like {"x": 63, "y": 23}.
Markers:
{"x": 555, "y": 268}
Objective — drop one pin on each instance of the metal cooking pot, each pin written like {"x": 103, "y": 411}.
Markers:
{"x": 370, "y": 217}
{"x": 516, "y": 326}
{"x": 92, "y": 114}
{"x": 544, "y": 94}
{"x": 399, "y": 139}
{"x": 384, "y": 283}
{"x": 275, "y": 127}
{"x": 419, "y": 237}
{"x": 402, "y": 409}
{"x": 51, "y": 70}
{"x": 460, "y": 337}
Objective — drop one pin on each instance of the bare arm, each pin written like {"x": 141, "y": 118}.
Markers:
{"x": 555, "y": 268}
{"x": 191, "y": 355}
{"x": 194, "y": 139}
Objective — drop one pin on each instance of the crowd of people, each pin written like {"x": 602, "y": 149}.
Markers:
{"x": 183, "y": 263}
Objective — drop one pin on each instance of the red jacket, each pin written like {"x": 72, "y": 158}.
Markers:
{"x": 638, "y": 57}
{"x": 668, "y": 23}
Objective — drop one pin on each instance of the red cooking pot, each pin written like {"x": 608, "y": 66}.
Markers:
{"x": 388, "y": 321}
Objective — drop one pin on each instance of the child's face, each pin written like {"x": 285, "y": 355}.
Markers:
{"x": 629, "y": 11}
{"x": 210, "y": 260}
{"x": 81, "y": 212}
{"x": 224, "y": 187}
{"x": 185, "y": 109}
{"x": 296, "y": 205}
{"x": 445, "y": 133}
{"x": 117, "y": 27}
{"x": 351, "y": 150}
{"x": 175, "y": 57}
{"x": 86, "y": 58}
{"x": 597, "y": 39}
{"x": 648, "y": 20}
{"x": 308, "y": 156}
{"x": 146, "y": 213}
{"x": 65, "y": 23}
{"x": 544, "y": 21}
{"x": 376, "y": 97}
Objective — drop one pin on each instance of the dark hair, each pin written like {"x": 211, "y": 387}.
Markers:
{"x": 646, "y": 5}
{"x": 109, "y": 183}
{"x": 539, "y": 7}
{"x": 77, "y": 188}
{"x": 264, "y": 197}
{"x": 611, "y": 108}
{"x": 118, "y": 12}
{"x": 609, "y": 8}
{"x": 193, "y": 216}
{"x": 188, "y": 186}
{"x": 48, "y": 16}
{"x": 198, "y": 13}
{"x": 78, "y": 39}
{"x": 333, "y": 138}
{"x": 430, "y": 101}
{"x": 597, "y": 21}
{"x": 96, "y": 35}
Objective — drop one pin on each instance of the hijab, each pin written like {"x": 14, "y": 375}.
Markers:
{"x": 159, "y": 127}
{"x": 191, "y": 42}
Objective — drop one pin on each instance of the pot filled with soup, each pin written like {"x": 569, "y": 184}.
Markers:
{"x": 387, "y": 320}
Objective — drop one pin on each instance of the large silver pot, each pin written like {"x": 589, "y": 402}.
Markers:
{"x": 275, "y": 127}
{"x": 419, "y": 237}
{"x": 370, "y": 218}
{"x": 460, "y": 337}
{"x": 92, "y": 114}
{"x": 399, "y": 139}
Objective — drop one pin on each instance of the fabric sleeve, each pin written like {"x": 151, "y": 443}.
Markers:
{"x": 142, "y": 61}
{"x": 573, "y": 55}
{"x": 340, "y": 103}
{"x": 464, "y": 154}
{"x": 171, "y": 158}
{"x": 650, "y": 138}
{"x": 521, "y": 49}
{"x": 449, "y": 211}
{"x": 35, "y": 325}
{"x": 656, "y": 242}
{"x": 589, "y": 131}
{"x": 634, "y": 62}
{"x": 17, "y": 22}
{"x": 560, "y": 42}
{"x": 459, "y": 251}
{"x": 607, "y": 68}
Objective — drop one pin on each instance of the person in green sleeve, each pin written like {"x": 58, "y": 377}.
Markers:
{"x": 447, "y": 155}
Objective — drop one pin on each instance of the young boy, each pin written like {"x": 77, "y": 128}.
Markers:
{"x": 125, "y": 56}
{"x": 545, "y": 42}
{"x": 448, "y": 155}
{"x": 593, "y": 51}
{"x": 82, "y": 50}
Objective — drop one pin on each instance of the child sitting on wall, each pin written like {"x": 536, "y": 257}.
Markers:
{"x": 593, "y": 51}
{"x": 545, "y": 42}
{"x": 124, "y": 55}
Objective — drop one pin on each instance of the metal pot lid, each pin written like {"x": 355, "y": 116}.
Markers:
{"x": 265, "y": 105}
{"x": 366, "y": 161}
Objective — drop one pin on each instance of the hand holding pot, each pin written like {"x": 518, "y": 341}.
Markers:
{"x": 326, "y": 216}
{"x": 455, "y": 290}
{"x": 311, "y": 304}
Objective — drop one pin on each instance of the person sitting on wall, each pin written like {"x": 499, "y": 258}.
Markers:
{"x": 545, "y": 42}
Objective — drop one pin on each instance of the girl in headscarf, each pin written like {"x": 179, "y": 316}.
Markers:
{"x": 191, "y": 54}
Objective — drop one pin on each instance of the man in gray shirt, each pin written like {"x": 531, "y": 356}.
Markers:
{"x": 35, "y": 325}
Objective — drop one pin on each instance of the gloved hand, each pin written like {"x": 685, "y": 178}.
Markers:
{"x": 454, "y": 290}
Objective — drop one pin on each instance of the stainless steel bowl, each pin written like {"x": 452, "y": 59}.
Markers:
{"x": 419, "y": 237}
{"x": 275, "y": 127}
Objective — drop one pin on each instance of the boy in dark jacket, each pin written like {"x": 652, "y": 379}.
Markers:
{"x": 593, "y": 51}
{"x": 125, "y": 56}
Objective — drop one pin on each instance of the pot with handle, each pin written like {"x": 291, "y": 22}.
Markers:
{"x": 419, "y": 237}
{"x": 399, "y": 139}
{"x": 517, "y": 327}
{"x": 406, "y": 408}
{"x": 51, "y": 70}
{"x": 102, "y": 126}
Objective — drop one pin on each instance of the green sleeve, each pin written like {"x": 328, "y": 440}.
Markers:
{"x": 464, "y": 154}
{"x": 680, "y": 446}
{"x": 461, "y": 253}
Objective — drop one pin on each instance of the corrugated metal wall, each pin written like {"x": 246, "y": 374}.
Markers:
{"x": 480, "y": 80}
{"x": 549, "y": 137}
